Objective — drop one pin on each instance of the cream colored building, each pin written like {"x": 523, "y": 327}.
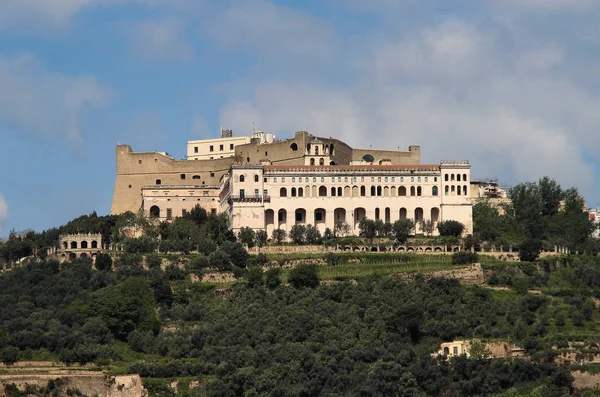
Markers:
{"x": 219, "y": 148}
{"x": 271, "y": 197}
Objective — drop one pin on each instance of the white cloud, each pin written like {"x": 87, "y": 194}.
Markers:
{"x": 161, "y": 40}
{"x": 552, "y": 5}
{"x": 34, "y": 100}
{"x": 3, "y": 211}
{"x": 456, "y": 91}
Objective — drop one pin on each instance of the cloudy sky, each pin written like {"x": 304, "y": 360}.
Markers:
{"x": 511, "y": 85}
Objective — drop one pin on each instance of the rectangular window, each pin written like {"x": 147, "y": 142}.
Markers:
{"x": 265, "y": 180}
{"x": 372, "y": 179}
{"x": 386, "y": 179}
{"x": 183, "y": 212}
{"x": 419, "y": 179}
{"x": 378, "y": 179}
{"x": 280, "y": 217}
{"x": 182, "y": 176}
{"x": 265, "y": 193}
{"x": 339, "y": 178}
{"x": 242, "y": 193}
{"x": 322, "y": 179}
{"x": 314, "y": 178}
{"x": 455, "y": 350}
{"x": 354, "y": 179}
{"x": 333, "y": 179}
{"x": 212, "y": 148}
{"x": 435, "y": 178}
{"x": 274, "y": 180}
{"x": 195, "y": 149}
{"x": 412, "y": 178}
{"x": 256, "y": 193}
{"x": 221, "y": 148}
{"x": 231, "y": 146}
{"x": 293, "y": 179}
{"x": 401, "y": 179}
{"x": 307, "y": 179}
{"x": 426, "y": 179}
{"x": 299, "y": 217}
{"x": 282, "y": 179}
{"x": 169, "y": 213}
{"x": 318, "y": 216}
{"x": 393, "y": 179}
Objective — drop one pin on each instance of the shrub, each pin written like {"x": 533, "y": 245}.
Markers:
{"x": 304, "y": 276}
{"x": 278, "y": 235}
{"x": 104, "y": 262}
{"x": 273, "y": 280}
{"x": 219, "y": 260}
{"x": 298, "y": 234}
{"x": 451, "y": 228}
{"x": 464, "y": 257}
{"x": 247, "y": 236}
{"x": 529, "y": 250}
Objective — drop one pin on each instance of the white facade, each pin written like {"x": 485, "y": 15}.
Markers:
{"x": 594, "y": 217}
{"x": 271, "y": 197}
{"x": 219, "y": 148}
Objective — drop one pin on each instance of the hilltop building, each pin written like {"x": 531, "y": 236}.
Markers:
{"x": 265, "y": 183}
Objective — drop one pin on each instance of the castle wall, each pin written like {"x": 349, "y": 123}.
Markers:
{"x": 412, "y": 157}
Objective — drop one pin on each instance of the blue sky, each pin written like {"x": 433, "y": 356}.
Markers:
{"x": 511, "y": 85}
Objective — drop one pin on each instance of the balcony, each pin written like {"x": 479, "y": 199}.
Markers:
{"x": 250, "y": 199}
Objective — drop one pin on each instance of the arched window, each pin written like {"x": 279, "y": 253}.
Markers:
{"x": 368, "y": 158}
{"x": 294, "y": 147}
{"x": 331, "y": 147}
{"x": 453, "y": 190}
{"x": 317, "y": 150}
{"x": 300, "y": 192}
{"x": 154, "y": 212}
{"x": 283, "y": 192}
{"x": 65, "y": 245}
{"x": 377, "y": 213}
{"x": 373, "y": 191}
{"x": 451, "y": 177}
{"x": 339, "y": 192}
{"x": 84, "y": 244}
{"x": 332, "y": 192}
{"x": 255, "y": 177}
{"x": 418, "y": 214}
{"x": 378, "y": 190}
{"x": 403, "y": 213}
{"x": 242, "y": 178}
{"x": 73, "y": 245}
{"x": 446, "y": 190}
{"x": 363, "y": 191}
{"x": 401, "y": 191}
{"x": 446, "y": 177}
{"x": 418, "y": 190}
{"x": 312, "y": 161}
{"x": 465, "y": 177}
{"x": 458, "y": 177}
{"x": 322, "y": 191}
{"x": 412, "y": 191}
{"x": 196, "y": 177}
{"x": 94, "y": 244}
{"x": 434, "y": 191}
{"x": 321, "y": 161}
{"x": 293, "y": 192}
{"x": 464, "y": 190}
{"x": 458, "y": 190}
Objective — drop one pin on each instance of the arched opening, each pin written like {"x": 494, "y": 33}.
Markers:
{"x": 435, "y": 214}
{"x": 300, "y": 216}
{"x": 355, "y": 191}
{"x": 83, "y": 255}
{"x": 321, "y": 161}
{"x": 458, "y": 190}
{"x": 347, "y": 191}
{"x": 403, "y": 213}
{"x": 446, "y": 351}
{"x": 446, "y": 177}
{"x": 242, "y": 178}
{"x": 339, "y": 215}
{"x": 359, "y": 214}
{"x": 378, "y": 191}
{"x": 394, "y": 191}
{"x": 196, "y": 177}
{"x": 154, "y": 212}
{"x": 453, "y": 190}
{"x": 294, "y": 147}
{"x": 293, "y": 192}
{"x": 283, "y": 192}
{"x": 418, "y": 214}
{"x": 282, "y": 219}
{"x": 419, "y": 191}
{"x": 446, "y": 190}
{"x": 73, "y": 245}
{"x": 434, "y": 191}
{"x": 269, "y": 222}
{"x": 314, "y": 191}
{"x": 322, "y": 191}
{"x": 72, "y": 256}
{"x": 84, "y": 244}
{"x": 368, "y": 158}
{"x": 255, "y": 177}
{"x": 300, "y": 192}
{"x": 307, "y": 191}
{"x": 388, "y": 215}
{"x": 452, "y": 177}
{"x": 464, "y": 177}
{"x": 339, "y": 191}
{"x": 312, "y": 161}
{"x": 333, "y": 192}
{"x": 464, "y": 190}
{"x": 363, "y": 191}
{"x": 377, "y": 214}
{"x": 65, "y": 245}
{"x": 412, "y": 191}
{"x": 373, "y": 191}
{"x": 386, "y": 191}
{"x": 331, "y": 149}
{"x": 402, "y": 191}
{"x": 320, "y": 214}
{"x": 317, "y": 150}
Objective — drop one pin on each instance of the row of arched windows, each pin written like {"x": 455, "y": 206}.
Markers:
{"x": 84, "y": 245}
{"x": 242, "y": 178}
{"x": 455, "y": 190}
{"x": 355, "y": 191}
{"x": 455, "y": 177}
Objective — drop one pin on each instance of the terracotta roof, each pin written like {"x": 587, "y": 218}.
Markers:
{"x": 397, "y": 167}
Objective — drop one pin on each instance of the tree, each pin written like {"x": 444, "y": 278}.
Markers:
{"x": 401, "y": 230}
{"x": 427, "y": 226}
{"x": 219, "y": 260}
{"x": 478, "y": 351}
{"x": 236, "y": 252}
{"x": 10, "y": 355}
{"x": 255, "y": 276}
{"x": 261, "y": 238}
{"x": 451, "y": 228}
{"x": 197, "y": 214}
{"x": 103, "y": 261}
{"x": 298, "y": 234}
{"x": 313, "y": 235}
{"x": 304, "y": 276}
{"x": 529, "y": 250}
{"x": 273, "y": 279}
{"x": 341, "y": 229}
{"x": 368, "y": 228}
{"x": 278, "y": 235}
{"x": 247, "y": 236}
{"x": 486, "y": 220}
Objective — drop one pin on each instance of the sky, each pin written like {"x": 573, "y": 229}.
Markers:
{"x": 510, "y": 85}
